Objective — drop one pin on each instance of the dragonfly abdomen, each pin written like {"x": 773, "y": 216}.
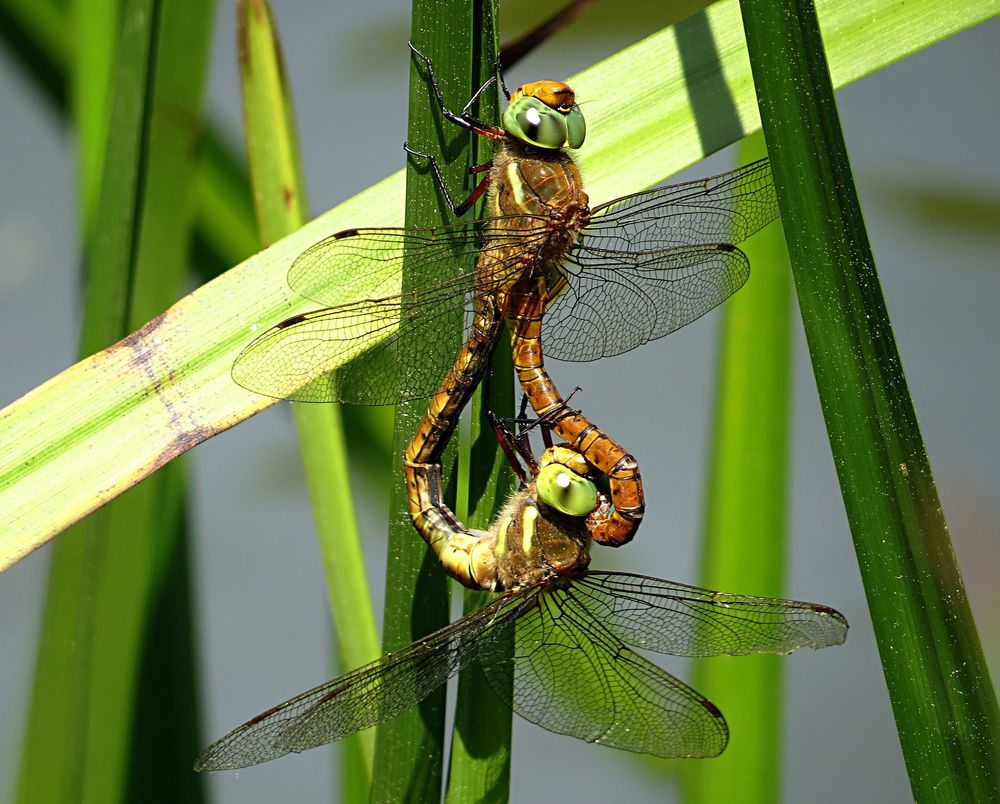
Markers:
{"x": 597, "y": 447}
{"x": 463, "y": 552}
{"x": 458, "y": 385}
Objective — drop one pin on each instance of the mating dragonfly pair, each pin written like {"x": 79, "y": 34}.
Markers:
{"x": 605, "y": 280}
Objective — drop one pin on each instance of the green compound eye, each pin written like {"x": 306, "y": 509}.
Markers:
{"x": 566, "y": 491}
{"x": 532, "y": 121}
{"x": 576, "y": 128}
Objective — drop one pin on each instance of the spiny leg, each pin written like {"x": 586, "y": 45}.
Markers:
{"x": 466, "y": 121}
{"x": 458, "y": 209}
{"x": 463, "y": 120}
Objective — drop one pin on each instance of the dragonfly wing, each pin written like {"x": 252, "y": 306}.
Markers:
{"x": 360, "y": 341}
{"x": 616, "y": 301}
{"x": 368, "y": 263}
{"x": 682, "y": 620}
{"x": 649, "y": 263}
{"x": 721, "y": 209}
{"x": 560, "y": 668}
{"x": 364, "y": 697}
{"x": 360, "y": 337}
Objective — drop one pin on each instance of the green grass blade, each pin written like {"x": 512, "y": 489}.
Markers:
{"x": 409, "y": 750}
{"x": 99, "y": 427}
{"x": 744, "y": 541}
{"x": 939, "y": 685}
{"x": 96, "y": 39}
{"x": 105, "y": 725}
{"x": 479, "y": 765}
{"x": 280, "y": 198}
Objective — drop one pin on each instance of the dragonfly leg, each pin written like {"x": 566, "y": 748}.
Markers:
{"x": 511, "y": 445}
{"x": 464, "y": 120}
{"x": 458, "y": 209}
{"x": 466, "y": 110}
{"x": 515, "y": 442}
{"x": 598, "y": 448}
{"x": 497, "y": 74}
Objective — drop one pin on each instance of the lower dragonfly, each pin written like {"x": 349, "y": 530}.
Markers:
{"x": 553, "y": 646}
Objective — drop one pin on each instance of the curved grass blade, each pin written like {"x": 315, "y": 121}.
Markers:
{"x": 939, "y": 684}
{"x": 279, "y": 196}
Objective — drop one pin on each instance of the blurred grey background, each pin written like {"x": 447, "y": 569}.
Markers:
{"x": 922, "y": 137}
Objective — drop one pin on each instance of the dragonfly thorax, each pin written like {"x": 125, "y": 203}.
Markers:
{"x": 535, "y": 543}
{"x": 545, "y": 184}
{"x": 543, "y": 532}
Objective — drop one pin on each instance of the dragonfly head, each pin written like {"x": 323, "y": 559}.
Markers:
{"x": 545, "y": 114}
{"x": 542, "y": 533}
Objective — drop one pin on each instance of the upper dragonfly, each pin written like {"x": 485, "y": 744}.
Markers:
{"x": 605, "y": 279}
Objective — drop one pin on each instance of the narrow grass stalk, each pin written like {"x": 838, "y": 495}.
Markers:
{"x": 744, "y": 538}
{"x": 479, "y": 765}
{"x": 94, "y": 52}
{"x": 107, "y": 721}
{"x": 280, "y": 199}
{"x": 479, "y": 769}
{"x": 409, "y": 750}
{"x": 939, "y": 685}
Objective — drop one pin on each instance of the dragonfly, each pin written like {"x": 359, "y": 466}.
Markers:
{"x": 555, "y": 646}
{"x": 604, "y": 280}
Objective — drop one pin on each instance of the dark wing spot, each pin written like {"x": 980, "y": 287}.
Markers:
{"x": 288, "y": 322}
{"x": 333, "y": 693}
{"x": 262, "y": 716}
{"x": 711, "y": 707}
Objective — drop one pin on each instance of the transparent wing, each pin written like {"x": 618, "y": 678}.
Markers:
{"x": 610, "y": 307}
{"x": 561, "y": 668}
{"x": 727, "y": 208}
{"x": 681, "y": 620}
{"x": 649, "y": 263}
{"x": 294, "y": 359}
{"x": 367, "y": 263}
{"x": 366, "y": 696}
{"x": 646, "y": 265}
{"x": 361, "y": 338}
